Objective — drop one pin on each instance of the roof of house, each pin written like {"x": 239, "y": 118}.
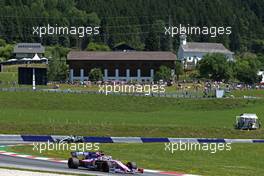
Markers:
{"x": 131, "y": 55}
{"x": 205, "y": 47}
{"x": 29, "y": 48}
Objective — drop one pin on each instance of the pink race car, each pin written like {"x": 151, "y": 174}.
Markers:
{"x": 98, "y": 161}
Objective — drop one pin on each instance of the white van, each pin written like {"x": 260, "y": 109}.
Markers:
{"x": 247, "y": 122}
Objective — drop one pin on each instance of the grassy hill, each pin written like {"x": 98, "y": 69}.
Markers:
{"x": 100, "y": 115}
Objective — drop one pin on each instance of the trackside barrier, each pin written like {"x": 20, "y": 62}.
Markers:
{"x": 53, "y": 138}
{"x": 11, "y": 138}
{"x": 29, "y": 138}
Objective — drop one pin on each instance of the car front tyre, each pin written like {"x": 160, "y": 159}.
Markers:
{"x": 106, "y": 166}
{"x": 73, "y": 163}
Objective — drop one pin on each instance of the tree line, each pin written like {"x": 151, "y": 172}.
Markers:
{"x": 138, "y": 23}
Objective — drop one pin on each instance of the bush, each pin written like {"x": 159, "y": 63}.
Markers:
{"x": 247, "y": 70}
{"x": 216, "y": 67}
{"x": 164, "y": 73}
{"x": 97, "y": 47}
{"x": 95, "y": 75}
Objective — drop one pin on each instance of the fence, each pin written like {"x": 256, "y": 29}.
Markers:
{"x": 178, "y": 94}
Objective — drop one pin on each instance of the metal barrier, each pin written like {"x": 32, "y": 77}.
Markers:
{"x": 179, "y": 94}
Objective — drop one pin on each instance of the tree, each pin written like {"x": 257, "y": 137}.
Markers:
{"x": 97, "y": 47}
{"x": 261, "y": 61}
{"x": 163, "y": 40}
{"x": 216, "y": 67}
{"x": 257, "y": 46}
{"x": 95, "y": 75}
{"x": 247, "y": 70}
{"x": 178, "y": 69}
{"x": 6, "y": 52}
{"x": 164, "y": 73}
{"x": 2, "y": 42}
{"x": 128, "y": 21}
{"x": 58, "y": 69}
{"x": 152, "y": 41}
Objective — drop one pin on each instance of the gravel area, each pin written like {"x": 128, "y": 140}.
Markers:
{"x": 11, "y": 172}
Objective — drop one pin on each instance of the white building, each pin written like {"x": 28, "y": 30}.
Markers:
{"x": 192, "y": 52}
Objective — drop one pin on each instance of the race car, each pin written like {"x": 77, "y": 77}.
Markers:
{"x": 98, "y": 161}
{"x": 70, "y": 139}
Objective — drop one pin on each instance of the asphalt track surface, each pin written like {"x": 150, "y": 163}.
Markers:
{"x": 50, "y": 166}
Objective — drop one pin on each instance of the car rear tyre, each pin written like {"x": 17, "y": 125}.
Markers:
{"x": 132, "y": 165}
{"x": 73, "y": 163}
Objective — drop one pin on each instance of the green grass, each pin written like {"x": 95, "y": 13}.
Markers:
{"x": 77, "y": 87}
{"x": 242, "y": 160}
{"x": 250, "y": 92}
{"x": 100, "y": 115}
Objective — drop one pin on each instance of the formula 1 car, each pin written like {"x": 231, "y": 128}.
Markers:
{"x": 70, "y": 139}
{"x": 98, "y": 161}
